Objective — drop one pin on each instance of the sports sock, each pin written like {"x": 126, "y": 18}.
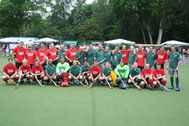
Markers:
{"x": 172, "y": 81}
{"x": 139, "y": 81}
{"x": 177, "y": 81}
{"x": 151, "y": 82}
{"x": 164, "y": 82}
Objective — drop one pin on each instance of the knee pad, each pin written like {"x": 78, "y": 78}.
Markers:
{"x": 80, "y": 77}
{"x": 70, "y": 77}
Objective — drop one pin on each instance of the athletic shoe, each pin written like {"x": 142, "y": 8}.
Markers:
{"x": 28, "y": 82}
{"x": 171, "y": 87}
{"x": 177, "y": 89}
{"x": 6, "y": 83}
{"x": 162, "y": 89}
{"x": 126, "y": 88}
{"x": 152, "y": 88}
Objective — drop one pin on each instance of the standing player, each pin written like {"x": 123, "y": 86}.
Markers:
{"x": 80, "y": 56}
{"x": 99, "y": 56}
{"x": 19, "y": 51}
{"x": 141, "y": 55}
{"x": 10, "y": 72}
{"x": 159, "y": 76}
{"x": 25, "y": 70}
{"x": 147, "y": 77}
{"x": 75, "y": 73}
{"x": 52, "y": 53}
{"x": 37, "y": 72}
{"x": 174, "y": 62}
{"x": 132, "y": 57}
{"x": 125, "y": 54}
{"x": 151, "y": 57}
{"x": 50, "y": 71}
{"x": 90, "y": 54}
{"x": 108, "y": 55}
{"x": 70, "y": 54}
{"x": 106, "y": 74}
{"x": 30, "y": 56}
{"x": 122, "y": 72}
{"x": 41, "y": 55}
{"x": 61, "y": 52}
{"x": 162, "y": 56}
{"x": 116, "y": 57}
{"x": 85, "y": 71}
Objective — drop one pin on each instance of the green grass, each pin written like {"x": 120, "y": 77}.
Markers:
{"x": 31, "y": 105}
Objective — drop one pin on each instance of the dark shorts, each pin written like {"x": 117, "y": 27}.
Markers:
{"x": 173, "y": 71}
{"x": 55, "y": 62}
{"x": 31, "y": 65}
{"x": 141, "y": 67}
{"x": 162, "y": 66}
{"x": 18, "y": 65}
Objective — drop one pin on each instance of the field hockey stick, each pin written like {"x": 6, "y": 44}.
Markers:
{"x": 81, "y": 83}
{"x": 39, "y": 82}
{"x": 86, "y": 82}
{"x": 109, "y": 84}
{"x": 91, "y": 84}
{"x": 14, "y": 83}
{"x": 102, "y": 61}
{"x": 138, "y": 87}
{"x": 54, "y": 82}
{"x": 165, "y": 88}
{"x": 124, "y": 84}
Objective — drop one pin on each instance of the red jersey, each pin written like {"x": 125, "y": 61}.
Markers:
{"x": 25, "y": 69}
{"x": 125, "y": 56}
{"x": 146, "y": 72}
{"x": 20, "y": 53}
{"x": 141, "y": 58}
{"x": 10, "y": 70}
{"x": 37, "y": 70}
{"x": 41, "y": 53}
{"x": 30, "y": 56}
{"x": 161, "y": 56}
{"x": 52, "y": 54}
{"x": 158, "y": 73}
{"x": 71, "y": 54}
{"x": 95, "y": 71}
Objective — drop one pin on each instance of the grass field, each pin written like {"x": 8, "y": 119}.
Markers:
{"x": 31, "y": 105}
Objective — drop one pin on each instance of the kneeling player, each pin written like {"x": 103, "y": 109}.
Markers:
{"x": 75, "y": 73}
{"x": 25, "y": 70}
{"x": 10, "y": 72}
{"x": 95, "y": 73}
{"x": 147, "y": 77}
{"x": 85, "y": 71}
{"x": 159, "y": 77}
{"x": 135, "y": 76}
{"x": 50, "y": 72}
{"x": 37, "y": 72}
{"x": 106, "y": 71}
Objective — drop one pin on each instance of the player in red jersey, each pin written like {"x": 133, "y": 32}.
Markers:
{"x": 52, "y": 53}
{"x": 147, "y": 77}
{"x": 30, "y": 56}
{"x": 37, "y": 72}
{"x": 159, "y": 76}
{"x": 162, "y": 56}
{"x": 141, "y": 55}
{"x": 70, "y": 54}
{"x": 18, "y": 53}
{"x": 25, "y": 70}
{"x": 10, "y": 72}
{"x": 41, "y": 55}
{"x": 125, "y": 54}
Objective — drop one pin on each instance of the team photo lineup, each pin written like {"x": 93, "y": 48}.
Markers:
{"x": 121, "y": 67}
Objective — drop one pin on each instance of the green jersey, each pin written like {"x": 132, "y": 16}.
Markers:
{"x": 62, "y": 67}
{"x": 108, "y": 56}
{"x": 90, "y": 56}
{"x": 60, "y": 54}
{"x": 123, "y": 71}
{"x": 150, "y": 58}
{"x": 174, "y": 59}
{"x": 75, "y": 70}
{"x": 99, "y": 55}
{"x": 80, "y": 57}
{"x": 134, "y": 72}
{"x": 106, "y": 72}
{"x": 132, "y": 58}
{"x": 84, "y": 68}
{"x": 50, "y": 69}
{"x": 116, "y": 58}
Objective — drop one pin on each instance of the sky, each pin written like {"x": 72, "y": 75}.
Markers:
{"x": 89, "y": 1}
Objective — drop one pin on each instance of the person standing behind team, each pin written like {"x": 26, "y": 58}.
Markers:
{"x": 174, "y": 63}
{"x": 141, "y": 55}
{"x": 116, "y": 57}
{"x": 30, "y": 56}
{"x": 18, "y": 53}
{"x": 90, "y": 54}
{"x": 41, "y": 55}
{"x": 132, "y": 57}
{"x": 70, "y": 54}
{"x": 125, "y": 54}
{"x": 80, "y": 56}
{"x": 162, "y": 56}
{"x": 61, "y": 52}
{"x": 99, "y": 55}
{"x": 151, "y": 57}
{"x": 52, "y": 53}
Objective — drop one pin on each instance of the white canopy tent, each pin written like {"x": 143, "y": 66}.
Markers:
{"x": 119, "y": 42}
{"x": 8, "y": 40}
{"x": 46, "y": 40}
{"x": 174, "y": 43}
